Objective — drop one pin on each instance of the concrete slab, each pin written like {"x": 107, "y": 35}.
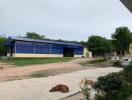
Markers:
{"x": 38, "y": 88}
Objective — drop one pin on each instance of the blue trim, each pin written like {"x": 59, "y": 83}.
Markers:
{"x": 45, "y": 41}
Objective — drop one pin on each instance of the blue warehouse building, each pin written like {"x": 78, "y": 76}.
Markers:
{"x": 25, "y": 47}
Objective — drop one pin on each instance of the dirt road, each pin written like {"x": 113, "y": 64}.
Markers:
{"x": 73, "y": 65}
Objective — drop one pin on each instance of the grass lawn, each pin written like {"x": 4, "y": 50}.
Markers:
{"x": 31, "y": 61}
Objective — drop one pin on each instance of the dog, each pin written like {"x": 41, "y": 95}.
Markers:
{"x": 61, "y": 88}
{"x": 1, "y": 67}
{"x": 89, "y": 82}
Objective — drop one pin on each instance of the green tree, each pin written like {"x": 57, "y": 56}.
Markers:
{"x": 2, "y": 48}
{"x": 83, "y": 43}
{"x": 99, "y": 45}
{"x": 122, "y": 38}
{"x": 34, "y": 35}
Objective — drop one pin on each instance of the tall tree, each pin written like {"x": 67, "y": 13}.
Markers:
{"x": 99, "y": 45}
{"x": 122, "y": 37}
{"x": 2, "y": 48}
{"x": 83, "y": 43}
{"x": 34, "y": 35}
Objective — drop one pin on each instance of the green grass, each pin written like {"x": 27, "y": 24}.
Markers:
{"x": 32, "y": 61}
{"x": 38, "y": 75}
{"x": 94, "y": 61}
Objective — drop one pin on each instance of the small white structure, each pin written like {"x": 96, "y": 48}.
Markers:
{"x": 86, "y": 53}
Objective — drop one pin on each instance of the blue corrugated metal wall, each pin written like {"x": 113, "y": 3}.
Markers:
{"x": 41, "y": 48}
{"x": 45, "y": 48}
{"x": 24, "y": 47}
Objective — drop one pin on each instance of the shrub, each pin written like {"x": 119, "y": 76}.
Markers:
{"x": 117, "y": 63}
{"x": 99, "y": 97}
{"x": 124, "y": 93}
{"x": 85, "y": 89}
{"x": 127, "y": 73}
{"x": 97, "y": 60}
{"x": 108, "y": 85}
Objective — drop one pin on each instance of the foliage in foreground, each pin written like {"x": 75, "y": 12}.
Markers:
{"x": 85, "y": 87}
{"x": 108, "y": 85}
{"x": 116, "y": 86}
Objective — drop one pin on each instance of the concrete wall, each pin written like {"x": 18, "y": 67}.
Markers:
{"x": 85, "y": 52}
{"x": 78, "y": 56}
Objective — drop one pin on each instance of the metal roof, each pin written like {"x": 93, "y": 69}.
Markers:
{"x": 44, "y": 41}
{"x": 128, "y": 4}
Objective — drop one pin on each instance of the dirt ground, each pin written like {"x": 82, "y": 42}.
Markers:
{"x": 38, "y": 88}
{"x": 13, "y": 73}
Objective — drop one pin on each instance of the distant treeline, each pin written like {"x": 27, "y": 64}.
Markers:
{"x": 99, "y": 46}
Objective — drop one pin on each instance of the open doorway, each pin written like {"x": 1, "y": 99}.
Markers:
{"x": 68, "y": 52}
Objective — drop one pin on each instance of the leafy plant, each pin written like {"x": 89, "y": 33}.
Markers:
{"x": 85, "y": 90}
{"x": 108, "y": 85}
{"x": 117, "y": 63}
{"x": 99, "y": 45}
{"x": 99, "y": 97}
{"x": 124, "y": 93}
{"x": 127, "y": 74}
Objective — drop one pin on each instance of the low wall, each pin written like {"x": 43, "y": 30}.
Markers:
{"x": 36, "y": 55}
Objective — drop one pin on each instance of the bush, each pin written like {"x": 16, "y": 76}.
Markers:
{"x": 124, "y": 93}
{"x": 85, "y": 90}
{"x": 97, "y": 60}
{"x": 99, "y": 97}
{"x": 127, "y": 73}
{"x": 117, "y": 63}
{"x": 108, "y": 85}
{"x": 115, "y": 86}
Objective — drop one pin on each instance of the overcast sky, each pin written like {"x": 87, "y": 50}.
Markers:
{"x": 63, "y": 19}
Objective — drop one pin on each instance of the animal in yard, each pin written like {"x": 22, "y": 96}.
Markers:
{"x": 89, "y": 82}
{"x": 1, "y": 67}
{"x": 60, "y": 88}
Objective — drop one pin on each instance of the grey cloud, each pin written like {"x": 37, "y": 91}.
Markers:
{"x": 65, "y": 19}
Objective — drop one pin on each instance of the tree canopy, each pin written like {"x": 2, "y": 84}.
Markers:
{"x": 122, "y": 37}
{"x": 2, "y": 48}
{"x": 34, "y": 35}
{"x": 99, "y": 45}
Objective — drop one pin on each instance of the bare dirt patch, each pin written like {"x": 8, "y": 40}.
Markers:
{"x": 13, "y": 73}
